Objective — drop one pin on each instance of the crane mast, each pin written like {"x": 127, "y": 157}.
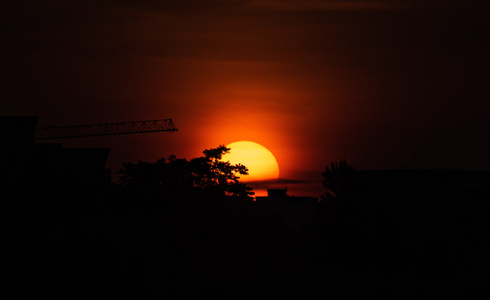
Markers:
{"x": 61, "y": 132}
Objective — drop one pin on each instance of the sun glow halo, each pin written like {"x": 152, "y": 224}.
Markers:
{"x": 261, "y": 163}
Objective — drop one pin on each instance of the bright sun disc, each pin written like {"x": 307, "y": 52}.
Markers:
{"x": 261, "y": 163}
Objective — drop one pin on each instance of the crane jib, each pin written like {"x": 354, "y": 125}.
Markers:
{"x": 60, "y": 132}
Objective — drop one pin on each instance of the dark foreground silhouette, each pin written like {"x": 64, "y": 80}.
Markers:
{"x": 172, "y": 230}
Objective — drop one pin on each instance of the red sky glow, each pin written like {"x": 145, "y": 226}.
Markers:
{"x": 377, "y": 81}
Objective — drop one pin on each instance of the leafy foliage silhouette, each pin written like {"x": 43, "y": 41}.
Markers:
{"x": 207, "y": 175}
{"x": 339, "y": 181}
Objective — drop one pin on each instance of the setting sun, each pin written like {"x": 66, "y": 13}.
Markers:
{"x": 261, "y": 163}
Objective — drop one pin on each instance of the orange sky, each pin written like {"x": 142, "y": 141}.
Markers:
{"x": 378, "y": 81}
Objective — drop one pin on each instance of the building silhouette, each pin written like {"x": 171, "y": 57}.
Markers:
{"x": 297, "y": 212}
{"x": 428, "y": 204}
{"x": 23, "y": 161}
{"x": 425, "y": 191}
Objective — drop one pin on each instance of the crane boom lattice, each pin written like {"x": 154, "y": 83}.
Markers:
{"x": 60, "y": 132}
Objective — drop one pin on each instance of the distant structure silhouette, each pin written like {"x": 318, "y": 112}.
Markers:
{"x": 22, "y": 158}
{"x": 422, "y": 191}
{"x": 297, "y": 212}
{"x": 16, "y": 144}
{"x": 430, "y": 204}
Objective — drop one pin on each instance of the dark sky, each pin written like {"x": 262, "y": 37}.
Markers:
{"x": 378, "y": 81}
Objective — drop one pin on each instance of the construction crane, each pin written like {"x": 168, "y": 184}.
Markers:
{"x": 61, "y": 132}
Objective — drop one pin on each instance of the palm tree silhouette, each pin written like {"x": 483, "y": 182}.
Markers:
{"x": 338, "y": 180}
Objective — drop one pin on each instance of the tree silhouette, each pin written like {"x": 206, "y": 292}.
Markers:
{"x": 342, "y": 207}
{"x": 339, "y": 182}
{"x": 207, "y": 175}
